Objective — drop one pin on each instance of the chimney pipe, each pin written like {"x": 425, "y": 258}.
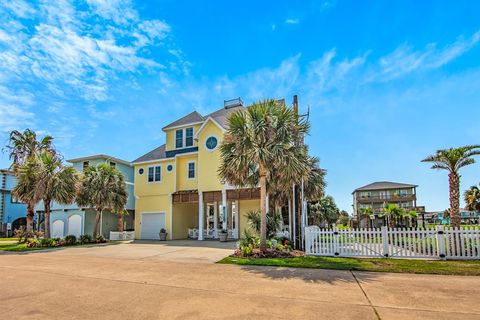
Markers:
{"x": 295, "y": 104}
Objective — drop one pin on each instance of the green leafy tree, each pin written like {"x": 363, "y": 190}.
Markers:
{"x": 344, "y": 218}
{"x": 23, "y": 147}
{"x": 472, "y": 199}
{"x": 452, "y": 160}
{"x": 325, "y": 211}
{"x": 262, "y": 142}
{"x": 103, "y": 188}
{"x": 54, "y": 183}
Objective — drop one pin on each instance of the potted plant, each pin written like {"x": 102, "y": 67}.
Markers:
{"x": 223, "y": 235}
{"x": 163, "y": 234}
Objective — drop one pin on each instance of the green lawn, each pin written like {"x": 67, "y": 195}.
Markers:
{"x": 8, "y": 239}
{"x": 14, "y": 246}
{"x": 464, "y": 268}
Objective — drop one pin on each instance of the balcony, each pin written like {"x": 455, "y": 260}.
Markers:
{"x": 386, "y": 198}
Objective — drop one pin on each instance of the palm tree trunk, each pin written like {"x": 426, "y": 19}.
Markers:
{"x": 120, "y": 222}
{"x": 454, "y": 185}
{"x": 30, "y": 215}
{"x": 263, "y": 208}
{"x": 47, "y": 218}
{"x": 96, "y": 232}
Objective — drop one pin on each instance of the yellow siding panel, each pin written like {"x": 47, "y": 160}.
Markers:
{"x": 164, "y": 187}
{"x": 183, "y": 182}
{"x": 209, "y": 161}
{"x": 245, "y": 206}
{"x": 170, "y": 133}
{"x": 185, "y": 216}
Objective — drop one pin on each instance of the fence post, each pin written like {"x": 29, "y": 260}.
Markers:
{"x": 307, "y": 240}
{"x": 440, "y": 237}
{"x": 385, "y": 241}
{"x": 335, "y": 241}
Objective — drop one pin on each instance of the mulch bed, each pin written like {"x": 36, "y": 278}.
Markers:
{"x": 270, "y": 253}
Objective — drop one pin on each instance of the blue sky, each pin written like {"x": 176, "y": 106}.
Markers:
{"x": 386, "y": 82}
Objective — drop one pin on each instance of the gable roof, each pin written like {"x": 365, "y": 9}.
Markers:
{"x": 221, "y": 115}
{"x": 381, "y": 185}
{"x": 155, "y": 154}
{"x": 99, "y": 156}
{"x": 192, "y": 117}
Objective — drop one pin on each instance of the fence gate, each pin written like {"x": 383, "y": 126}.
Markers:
{"x": 430, "y": 243}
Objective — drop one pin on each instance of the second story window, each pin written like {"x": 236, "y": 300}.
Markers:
{"x": 85, "y": 164}
{"x": 179, "y": 138}
{"x": 154, "y": 174}
{"x": 191, "y": 170}
{"x": 188, "y": 137}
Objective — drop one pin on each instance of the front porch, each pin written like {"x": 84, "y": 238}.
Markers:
{"x": 203, "y": 215}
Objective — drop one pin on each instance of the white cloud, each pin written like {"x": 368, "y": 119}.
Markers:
{"x": 20, "y": 8}
{"x": 292, "y": 21}
{"x": 119, "y": 11}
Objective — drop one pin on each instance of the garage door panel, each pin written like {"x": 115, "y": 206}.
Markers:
{"x": 151, "y": 223}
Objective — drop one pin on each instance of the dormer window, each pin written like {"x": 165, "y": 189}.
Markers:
{"x": 179, "y": 138}
{"x": 183, "y": 138}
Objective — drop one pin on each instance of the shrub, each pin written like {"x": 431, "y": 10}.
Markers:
{"x": 33, "y": 243}
{"x": 85, "y": 238}
{"x": 247, "y": 250}
{"x": 47, "y": 242}
{"x": 23, "y": 235}
{"x": 100, "y": 239}
{"x": 70, "y": 240}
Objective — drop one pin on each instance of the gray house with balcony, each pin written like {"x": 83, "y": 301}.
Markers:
{"x": 377, "y": 194}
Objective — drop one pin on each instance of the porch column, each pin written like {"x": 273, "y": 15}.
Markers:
{"x": 224, "y": 212}
{"x": 200, "y": 215}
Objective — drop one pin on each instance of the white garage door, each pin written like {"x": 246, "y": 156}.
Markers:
{"x": 150, "y": 225}
{"x": 57, "y": 229}
{"x": 75, "y": 225}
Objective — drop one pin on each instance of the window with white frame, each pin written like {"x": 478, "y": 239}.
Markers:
{"x": 188, "y": 137}
{"x": 191, "y": 170}
{"x": 154, "y": 174}
{"x": 179, "y": 138}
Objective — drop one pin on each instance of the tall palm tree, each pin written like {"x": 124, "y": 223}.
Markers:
{"x": 453, "y": 160}
{"x": 472, "y": 199}
{"x": 102, "y": 188}
{"x": 263, "y": 141}
{"x": 26, "y": 188}
{"x": 392, "y": 212}
{"x": 23, "y": 147}
{"x": 54, "y": 183}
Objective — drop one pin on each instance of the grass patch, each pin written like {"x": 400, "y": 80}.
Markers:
{"x": 8, "y": 239}
{"x": 457, "y": 267}
{"x": 16, "y": 247}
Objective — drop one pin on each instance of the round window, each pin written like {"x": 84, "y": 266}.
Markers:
{"x": 140, "y": 171}
{"x": 211, "y": 143}
{"x": 169, "y": 168}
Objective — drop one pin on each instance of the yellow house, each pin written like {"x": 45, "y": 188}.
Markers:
{"x": 177, "y": 185}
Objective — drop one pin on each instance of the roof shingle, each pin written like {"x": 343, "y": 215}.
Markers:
{"x": 189, "y": 118}
{"x": 155, "y": 154}
{"x": 382, "y": 185}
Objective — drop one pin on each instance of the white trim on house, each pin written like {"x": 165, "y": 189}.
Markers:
{"x": 154, "y": 174}
{"x": 182, "y": 126}
{"x": 166, "y": 159}
{"x": 205, "y": 123}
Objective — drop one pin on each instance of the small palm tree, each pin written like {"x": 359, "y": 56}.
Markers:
{"x": 102, "y": 188}
{"x": 264, "y": 141}
{"x": 26, "y": 188}
{"x": 453, "y": 160}
{"x": 367, "y": 213}
{"x": 391, "y": 212}
{"x": 54, "y": 183}
{"x": 472, "y": 199}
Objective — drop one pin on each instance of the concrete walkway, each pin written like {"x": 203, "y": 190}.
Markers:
{"x": 178, "y": 280}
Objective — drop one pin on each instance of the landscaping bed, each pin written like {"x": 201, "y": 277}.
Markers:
{"x": 31, "y": 244}
{"x": 451, "y": 267}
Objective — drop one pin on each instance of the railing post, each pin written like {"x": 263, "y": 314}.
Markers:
{"x": 335, "y": 241}
{"x": 440, "y": 237}
{"x": 385, "y": 241}
{"x": 307, "y": 241}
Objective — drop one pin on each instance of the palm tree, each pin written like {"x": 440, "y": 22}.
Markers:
{"x": 25, "y": 189}
{"x": 452, "y": 160}
{"x": 368, "y": 213}
{"x": 54, "y": 183}
{"x": 472, "y": 199}
{"x": 264, "y": 142}
{"x": 22, "y": 148}
{"x": 102, "y": 188}
{"x": 391, "y": 212}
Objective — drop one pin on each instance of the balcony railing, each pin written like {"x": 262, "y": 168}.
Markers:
{"x": 387, "y": 198}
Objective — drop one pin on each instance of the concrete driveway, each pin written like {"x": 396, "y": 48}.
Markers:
{"x": 178, "y": 280}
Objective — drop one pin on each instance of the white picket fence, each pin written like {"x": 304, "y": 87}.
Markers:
{"x": 124, "y": 235}
{"x": 429, "y": 243}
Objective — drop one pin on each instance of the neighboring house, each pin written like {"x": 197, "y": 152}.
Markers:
{"x": 12, "y": 212}
{"x": 376, "y": 195}
{"x": 466, "y": 217}
{"x": 177, "y": 185}
{"x": 71, "y": 219}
